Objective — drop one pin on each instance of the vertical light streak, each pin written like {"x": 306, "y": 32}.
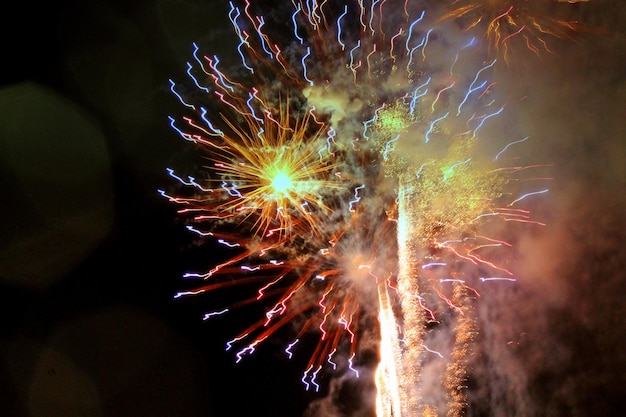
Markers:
{"x": 388, "y": 400}
{"x": 413, "y": 317}
{"x": 456, "y": 372}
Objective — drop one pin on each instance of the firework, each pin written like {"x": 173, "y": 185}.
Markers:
{"x": 345, "y": 173}
{"x": 513, "y": 25}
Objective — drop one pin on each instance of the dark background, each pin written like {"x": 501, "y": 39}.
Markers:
{"x": 91, "y": 254}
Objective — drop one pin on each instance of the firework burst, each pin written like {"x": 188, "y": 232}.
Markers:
{"x": 345, "y": 174}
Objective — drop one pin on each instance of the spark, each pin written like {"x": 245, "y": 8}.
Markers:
{"x": 214, "y": 313}
{"x": 508, "y": 145}
{"x": 432, "y": 351}
{"x": 528, "y": 195}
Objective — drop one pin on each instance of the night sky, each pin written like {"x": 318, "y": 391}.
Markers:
{"x": 91, "y": 255}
